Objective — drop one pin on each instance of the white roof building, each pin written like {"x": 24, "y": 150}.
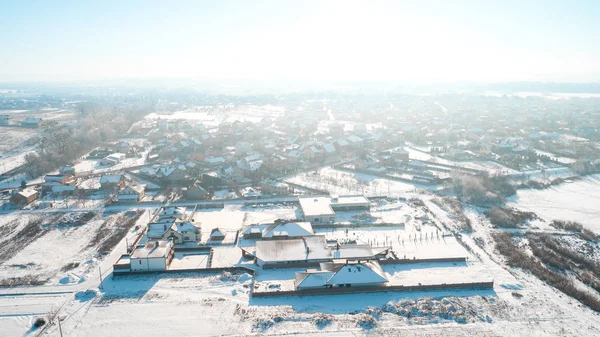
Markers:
{"x": 290, "y": 229}
{"x": 310, "y": 249}
{"x": 317, "y": 209}
{"x": 347, "y": 202}
{"x": 342, "y": 274}
{"x": 153, "y": 249}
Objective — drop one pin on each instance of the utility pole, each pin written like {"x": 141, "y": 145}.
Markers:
{"x": 59, "y": 327}
{"x": 100, "y": 271}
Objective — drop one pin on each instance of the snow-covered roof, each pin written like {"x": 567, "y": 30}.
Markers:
{"x": 354, "y": 139}
{"x": 329, "y": 148}
{"x": 33, "y": 120}
{"x": 342, "y": 272}
{"x": 65, "y": 188}
{"x": 290, "y": 229}
{"x": 313, "y": 206}
{"x": 54, "y": 177}
{"x": 308, "y": 248}
{"x": 352, "y": 251}
{"x": 112, "y": 179}
{"x": 355, "y": 273}
{"x": 173, "y": 211}
{"x": 312, "y": 278}
{"x": 349, "y": 201}
{"x": 217, "y": 233}
{"x": 157, "y": 230}
{"x": 253, "y": 229}
{"x": 184, "y": 226}
{"x": 135, "y": 188}
{"x": 213, "y": 160}
{"x": 399, "y": 150}
{"x": 153, "y": 249}
{"x": 28, "y": 192}
{"x": 342, "y": 142}
{"x": 126, "y": 196}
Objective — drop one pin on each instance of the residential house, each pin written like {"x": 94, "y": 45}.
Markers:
{"x": 195, "y": 191}
{"x": 131, "y": 193}
{"x": 155, "y": 255}
{"x": 31, "y": 122}
{"x": 52, "y": 180}
{"x": 24, "y": 197}
{"x": 112, "y": 182}
{"x": 217, "y": 234}
{"x": 400, "y": 153}
{"x": 309, "y": 250}
{"x": 287, "y": 230}
{"x": 342, "y": 274}
{"x": 274, "y": 186}
{"x": 113, "y": 159}
{"x": 317, "y": 210}
{"x": 177, "y": 231}
{"x": 173, "y": 212}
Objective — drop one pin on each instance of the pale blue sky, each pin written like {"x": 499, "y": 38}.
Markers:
{"x": 301, "y": 40}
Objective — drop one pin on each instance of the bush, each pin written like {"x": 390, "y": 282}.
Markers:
{"x": 516, "y": 257}
{"x": 570, "y": 226}
{"x": 508, "y": 217}
{"x": 39, "y": 322}
{"x": 482, "y": 190}
{"x": 588, "y": 235}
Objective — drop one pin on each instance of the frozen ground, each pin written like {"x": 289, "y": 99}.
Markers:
{"x": 94, "y": 166}
{"x": 339, "y": 182}
{"x": 575, "y": 201}
{"x": 66, "y": 240}
{"x": 13, "y": 137}
{"x": 233, "y": 217}
{"x": 424, "y": 244}
{"x": 214, "y": 115}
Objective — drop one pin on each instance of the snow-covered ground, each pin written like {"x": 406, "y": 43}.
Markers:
{"x": 234, "y": 217}
{"x": 94, "y": 166}
{"x": 562, "y": 160}
{"x": 213, "y": 116}
{"x": 575, "y": 201}
{"x": 219, "y": 304}
{"x": 66, "y": 240}
{"x": 341, "y": 183}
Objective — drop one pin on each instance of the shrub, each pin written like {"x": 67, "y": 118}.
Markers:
{"x": 39, "y": 322}
{"x": 516, "y": 257}
{"x": 588, "y": 235}
{"x": 571, "y": 226}
{"x": 508, "y": 217}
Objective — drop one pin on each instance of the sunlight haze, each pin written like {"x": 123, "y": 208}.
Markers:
{"x": 427, "y": 41}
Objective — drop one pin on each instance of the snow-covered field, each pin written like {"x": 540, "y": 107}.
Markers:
{"x": 66, "y": 240}
{"x": 12, "y": 137}
{"x": 575, "y": 201}
{"x": 341, "y": 183}
{"x": 94, "y": 166}
{"x": 213, "y": 116}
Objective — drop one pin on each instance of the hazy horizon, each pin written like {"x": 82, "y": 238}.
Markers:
{"x": 334, "y": 41}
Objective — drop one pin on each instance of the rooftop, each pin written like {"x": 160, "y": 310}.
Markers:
{"x": 349, "y": 200}
{"x": 153, "y": 249}
{"x": 291, "y": 229}
{"x": 316, "y": 206}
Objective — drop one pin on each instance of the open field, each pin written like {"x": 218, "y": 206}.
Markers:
{"x": 575, "y": 201}
{"x": 75, "y": 241}
{"x": 339, "y": 182}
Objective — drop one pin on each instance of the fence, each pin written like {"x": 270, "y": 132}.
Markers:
{"x": 187, "y": 271}
{"x": 373, "y": 289}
